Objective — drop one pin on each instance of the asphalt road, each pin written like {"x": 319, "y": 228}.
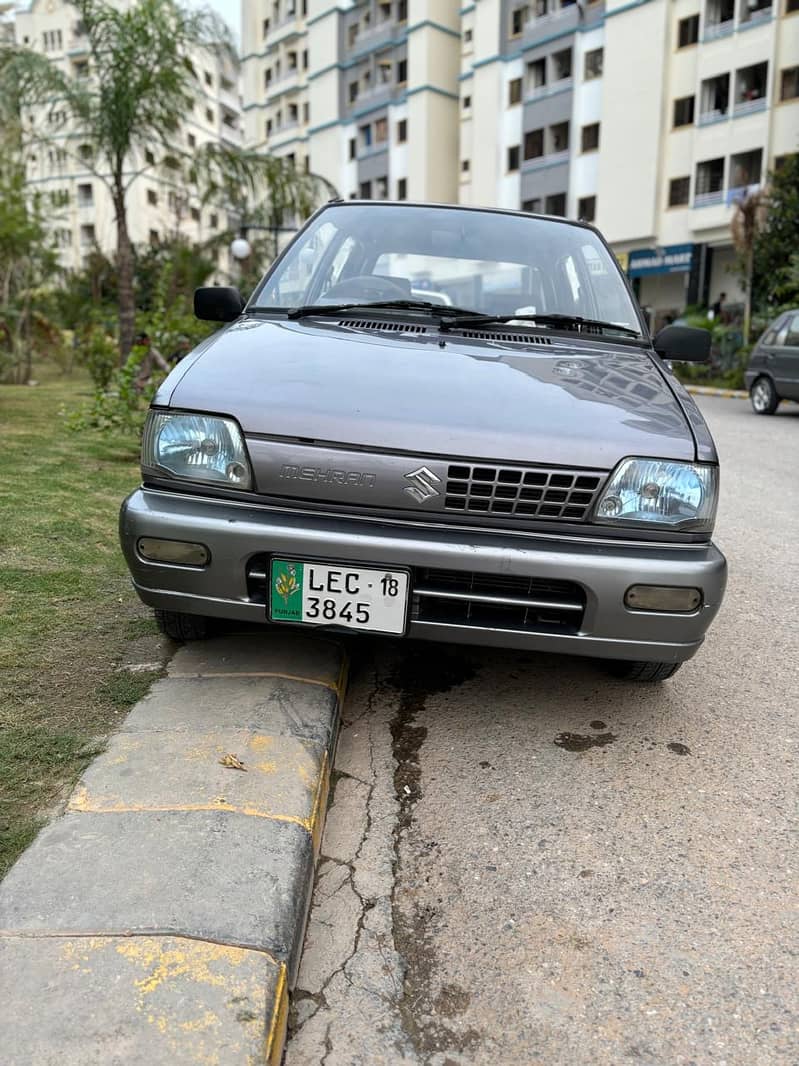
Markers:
{"x": 493, "y": 893}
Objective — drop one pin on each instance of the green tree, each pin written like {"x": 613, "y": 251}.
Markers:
{"x": 140, "y": 86}
{"x": 773, "y": 280}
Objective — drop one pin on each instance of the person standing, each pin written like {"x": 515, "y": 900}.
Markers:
{"x": 717, "y": 307}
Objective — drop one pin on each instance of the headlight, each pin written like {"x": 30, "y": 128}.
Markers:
{"x": 661, "y": 494}
{"x": 196, "y": 447}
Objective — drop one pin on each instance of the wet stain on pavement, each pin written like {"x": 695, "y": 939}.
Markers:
{"x": 679, "y": 749}
{"x": 578, "y": 742}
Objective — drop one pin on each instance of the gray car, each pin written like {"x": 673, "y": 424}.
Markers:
{"x": 516, "y": 467}
{"x": 773, "y": 371}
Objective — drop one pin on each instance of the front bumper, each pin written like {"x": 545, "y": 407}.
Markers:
{"x": 600, "y": 572}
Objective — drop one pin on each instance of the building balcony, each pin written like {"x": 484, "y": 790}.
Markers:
{"x": 738, "y": 193}
{"x": 369, "y": 150}
{"x": 539, "y": 92}
{"x": 714, "y": 30}
{"x": 709, "y": 199}
{"x": 754, "y": 18}
{"x": 708, "y": 118}
{"x": 554, "y": 159}
{"x": 374, "y": 38}
{"x": 750, "y": 107}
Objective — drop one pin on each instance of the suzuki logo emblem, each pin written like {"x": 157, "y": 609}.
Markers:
{"x": 423, "y": 484}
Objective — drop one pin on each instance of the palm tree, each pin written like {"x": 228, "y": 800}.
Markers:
{"x": 140, "y": 87}
{"x": 747, "y": 221}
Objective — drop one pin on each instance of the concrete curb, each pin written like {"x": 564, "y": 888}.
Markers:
{"x": 161, "y": 917}
{"x": 706, "y": 390}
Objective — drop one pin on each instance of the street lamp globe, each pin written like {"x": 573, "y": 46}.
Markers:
{"x": 240, "y": 248}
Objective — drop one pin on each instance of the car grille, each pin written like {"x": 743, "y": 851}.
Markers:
{"x": 497, "y": 601}
{"x": 466, "y": 598}
{"x": 535, "y": 492}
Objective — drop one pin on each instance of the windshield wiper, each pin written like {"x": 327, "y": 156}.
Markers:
{"x": 541, "y": 320}
{"x": 381, "y": 305}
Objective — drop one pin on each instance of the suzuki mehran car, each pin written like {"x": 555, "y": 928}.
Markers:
{"x": 513, "y": 466}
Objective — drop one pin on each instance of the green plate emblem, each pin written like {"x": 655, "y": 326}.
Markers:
{"x": 286, "y": 597}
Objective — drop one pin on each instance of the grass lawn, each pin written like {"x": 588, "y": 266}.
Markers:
{"x": 67, "y": 611}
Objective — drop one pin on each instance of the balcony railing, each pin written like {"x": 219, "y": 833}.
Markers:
{"x": 707, "y": 118}
{"x": 738, "y": 193}
{"x": 553, "y": 159}
{"x": 761, "y": 15}
{"x": 718, "y": 29}
{"x": 707, "y": 199}
{"x": 538, "y": 92}
{"x": 749, "y": 107}
{"x": 372, "y": 149}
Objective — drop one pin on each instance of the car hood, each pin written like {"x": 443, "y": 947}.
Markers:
{"x": 553, "y": 400}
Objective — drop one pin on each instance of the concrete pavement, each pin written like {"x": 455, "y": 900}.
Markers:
{"x": 160, "y": 919}
{"x": 525, "y": 862}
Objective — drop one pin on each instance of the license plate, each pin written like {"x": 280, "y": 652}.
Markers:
{"x": 351, "y": 596}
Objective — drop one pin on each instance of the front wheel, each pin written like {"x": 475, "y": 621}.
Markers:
{"x": 642, "y": 671}
{"x": 764, "y": 396}
{"x": 182, "y": 627}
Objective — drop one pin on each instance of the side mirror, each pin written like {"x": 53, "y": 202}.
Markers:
{"x": 683, "y": 344}
{"x": 217, "y": 304}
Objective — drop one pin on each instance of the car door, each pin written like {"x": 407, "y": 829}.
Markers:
{"x": 785, "y": 363}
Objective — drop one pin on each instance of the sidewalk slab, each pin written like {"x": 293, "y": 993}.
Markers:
{"x": 209, "y": 875}
{"x": 268, "y": 705}
{"x": 188, "y": 999}
{"x": 176, "y": 888}
{"x": 281, "y": 778}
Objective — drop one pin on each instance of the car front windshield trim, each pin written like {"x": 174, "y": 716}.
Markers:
{"x": 450, "y": 262}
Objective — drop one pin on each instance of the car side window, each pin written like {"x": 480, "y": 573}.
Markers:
{"x": 782, "y": 333}
{"x": 792, "y": 334}
{"x": 769, "y": 338}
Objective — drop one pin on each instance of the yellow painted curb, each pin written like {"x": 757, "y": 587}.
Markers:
{"x": 278, "y": 1026}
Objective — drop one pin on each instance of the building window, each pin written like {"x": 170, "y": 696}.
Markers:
{"x": 536, "y": 75}
{"x": 149, "y": 157}
{"x": 381, "y": 188}
{"x": 402, "y": 131}
{"x": 514, "y": 92}
{"x": 306, "y": 113}
{"x": 752, "y": 10}
{"x": 305, "y": 59}
{"x": 513, "y": 158}
{"x": 268, "y": 127}
{"x": 265, "y": 28}
{"x": 684, "y": 111}
{"x": 209, "y": 115}
{"x": 586, "y": 208}
{"x": 402, "y": 10}
{"x": 466, "y": 103}
{"x": 402, "y": 189}
{"x": 710, "y": 179}
{"x": 750, "y": 86}
{"x": 381, "y": 130}
{"x": 384, "y": 10}
{"x": 365, "y": 135}
{"x": 589, "y": 137}
{"x": 191, "y": 140}
{"x": 556, "y": 204}
{"x": 352, "y": 148}
{"x": 719, "y": 13}
{"x": 85, "y": 195}
{"x": 294, "y": 114}
{"x": 592, "y": 67}
{"x": 789, "y": 83}
{"x": 87, "y": 235}
{"x": 213, "y": 221}
{"x": 365, "y": 190}
{"x": 385, "y": 71}
{"x": 559, "y": 137}
{"x": 518, "y": 16}
{"x": 533, "y": 144}
{"x": 467, "y": 35}
{"x": 402, "y": 71}
{"x": 715, "y": 98}
{"x": 533, "y": 207}
{"x": 562, "y": 65}
{"x": 679, "y": 191}
{"x": 465, "y": 166}
{"x": 688, "y": 31}
{"x": 209, "y": 78}
{"x": 746, "y": 168}
{"x": 291, "y": 57}
{"x": 152, "y": 197}
{"x": 195, "y": 214}
{"x": 353, "y": 91}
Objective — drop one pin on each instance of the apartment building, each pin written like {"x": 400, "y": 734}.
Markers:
{"x": 650, "y": 118}
{"x": 158, "y": 203}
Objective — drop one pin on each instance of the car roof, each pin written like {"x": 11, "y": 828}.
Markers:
{"x": 338, "y": 201}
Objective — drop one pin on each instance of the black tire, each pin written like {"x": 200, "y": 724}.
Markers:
{"x": 642, "y": 671}
{"x": 182, "y": 627}
{"x": 763, "y": 396}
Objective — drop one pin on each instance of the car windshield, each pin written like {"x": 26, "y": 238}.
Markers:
{"x": 480, "y": 261}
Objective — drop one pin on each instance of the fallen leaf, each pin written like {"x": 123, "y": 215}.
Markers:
{"x": 232, "y": 763}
